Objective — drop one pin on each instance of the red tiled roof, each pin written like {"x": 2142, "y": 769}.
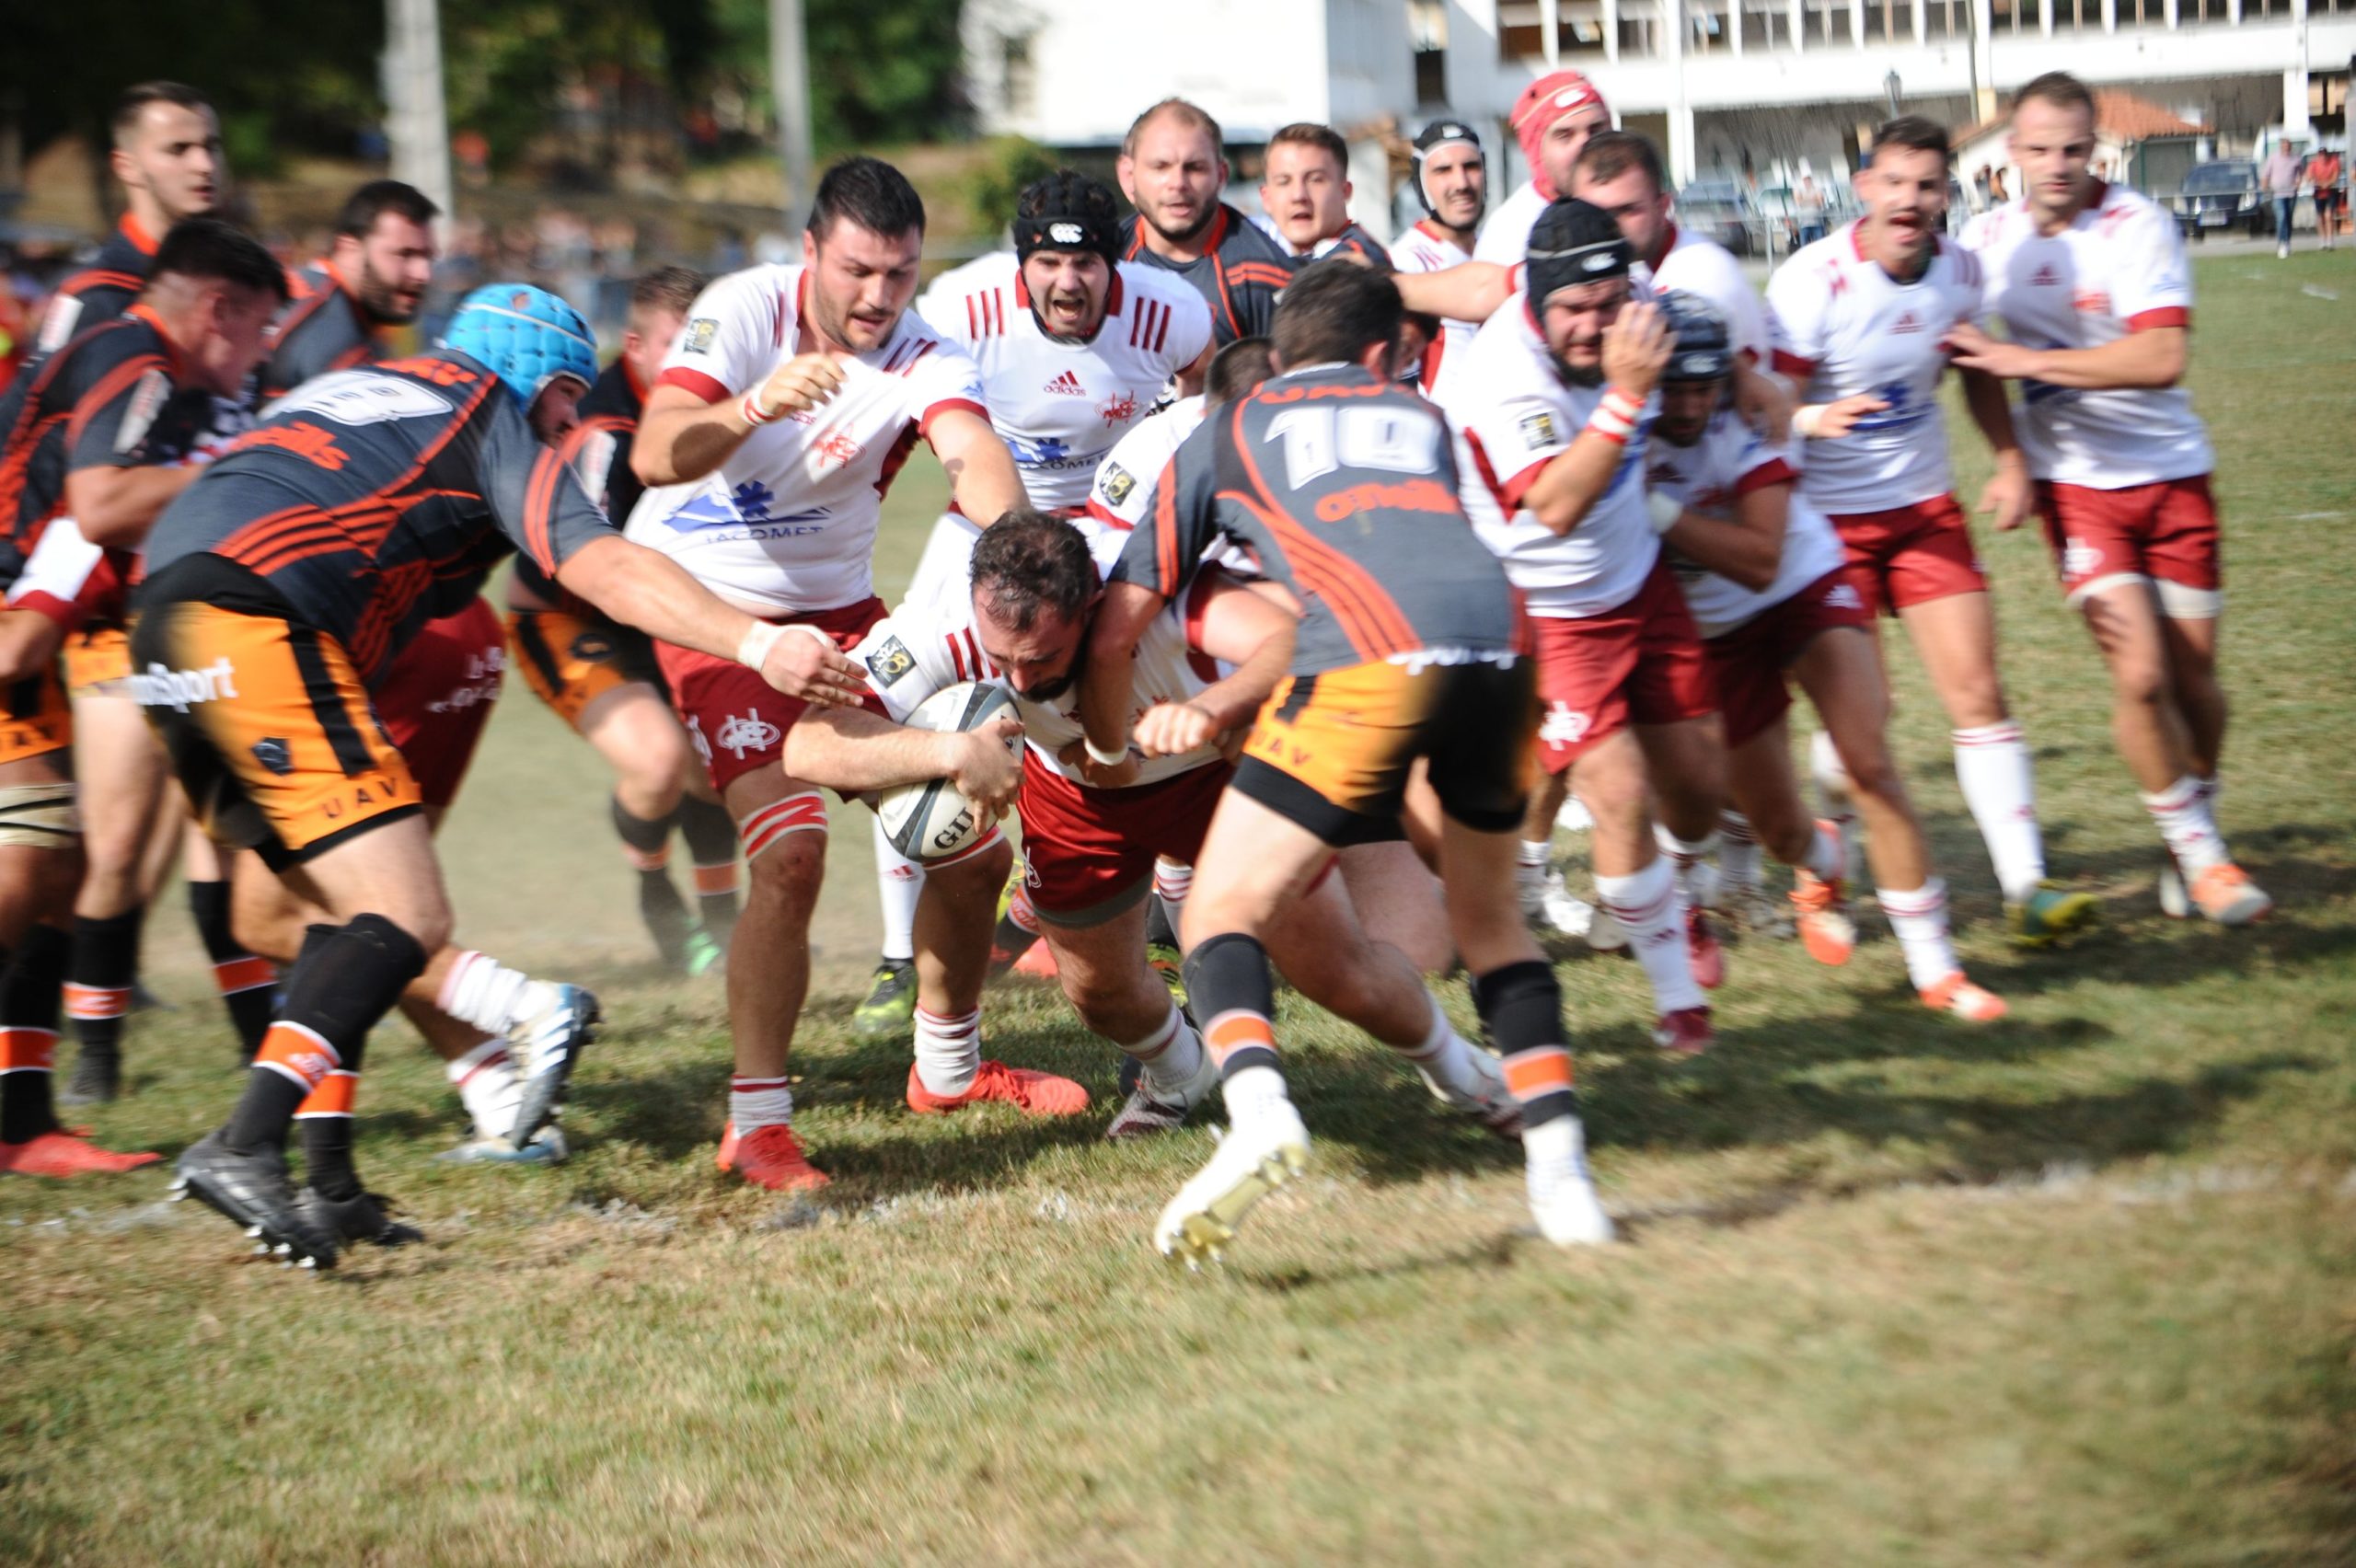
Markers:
{"x": 2119, "y": 116}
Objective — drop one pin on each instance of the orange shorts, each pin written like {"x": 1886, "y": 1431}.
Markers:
{"x": 270, "y": 731}
{"x": 34, "y": 717}
{"x": 97, "y": 661}
{"x": 571, "y": 661}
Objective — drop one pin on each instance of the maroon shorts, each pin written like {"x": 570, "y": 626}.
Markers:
{"x": 1749, "y": 661}
{"x": 1911, "y": 555}
{"x": 737, "y": 719}
{"x": 1090, "y": 852}
{"x": 436, "y": 698}
{"x": 2165, "y": 532}
{"x": 1639, "y": 662}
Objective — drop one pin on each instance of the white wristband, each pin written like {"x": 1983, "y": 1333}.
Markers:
{"x": 1103, "y": 758}
{"x": 1666, "y": 510}
{"x": 751, "y": 410}
{"x": 753, "y": 652}
{"x": 1808, "y": 420}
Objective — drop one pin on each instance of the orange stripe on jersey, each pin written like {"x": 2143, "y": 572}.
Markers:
{"x": 539, "y": 507}
{"x": 1541, "y": 1069}
{"x": 110, "y": 387}
{"x": 27, "y": 1050}
{"x": 1165, "y": 531}
{"x": 1379, "y": 629}
{"x": 333, "y": 1097}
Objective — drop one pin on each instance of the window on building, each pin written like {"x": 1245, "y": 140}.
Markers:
{"x": 1824, "y": 22}
{"x": 1578, "y": 28}
{"x": 1766, "y": 24}
{"x": 1945, "y": 19}
{"x": 1887, "y": 20}
{"x": 1018, "y": 78}
{"x": 1707, "y": 26}
{"x": 1640, "y": 28}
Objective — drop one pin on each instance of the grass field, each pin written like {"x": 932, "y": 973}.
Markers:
{"x": 2077, "y": 1289}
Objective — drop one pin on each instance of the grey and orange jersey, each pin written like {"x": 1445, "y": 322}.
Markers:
{"x": 321, "y": 330}
{"x": 1343, "y": 486}
{"x": 371, "y": 501}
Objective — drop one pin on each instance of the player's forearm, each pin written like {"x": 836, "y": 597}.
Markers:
{"x": 1992, "y": 412}
{"x": 853, "y": 751}
{"x": 1471, "y": 291}
{"x": 117, "y": 506}
{"x": 648, "y": 589}
{"x": 1574, "y": 482}
{"x": 674, "y": 446}
{"x": 29, "y": 642}
{"x": 2140, "y": 359}
{"x": 985, "y": 481}
{"x": 1236, "y": 698}
{"x": 1747, "y": 549}
{"x": 1107, "y": 685}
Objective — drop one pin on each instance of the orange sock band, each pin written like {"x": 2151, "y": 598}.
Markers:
{"x": 232, "y": 976}
{"x": 1541, "y": 1069}
{"x": 96, "y": 1001}
{"x": 1237, "y": 1030}
{"x": 716, "y": 878}
{"x": 333, "y": 1097}
{"x": 301, "y": 1054}
{"x": 27, "y": 1050}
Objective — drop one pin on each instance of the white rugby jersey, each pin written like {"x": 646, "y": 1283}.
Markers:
{"x": 1062, "y": 406}
{"x": 787, "y": 525}
{"x": 1513, "y": 414}
{"x": 1428, "y": 248}
{"x": 1728, "y": 462}
{"x": 1125, "y": 482}
{"x": 1841, "y": 325}
{"x": 1505, "y": 238}
{"x": 1700, "y": 265}
{"x": 920, "y": 649}
{"x": 2119, "y": 267}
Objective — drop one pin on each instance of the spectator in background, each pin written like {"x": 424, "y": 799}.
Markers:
{"x": 1997, "y": 194}
{"x": 2280, "y": 178}
{"x": 1979, "y": 189}
{"x": 2324, "y": 172}
{"x": 1808, "y": 205}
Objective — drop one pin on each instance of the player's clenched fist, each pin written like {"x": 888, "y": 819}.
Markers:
{"x": 989, "y": 764}
{"x": 1174, "y": 729}
{"x": 1636, "y": 349}
{"x": 798, "y": 386}
{"x": 805, "y": 665}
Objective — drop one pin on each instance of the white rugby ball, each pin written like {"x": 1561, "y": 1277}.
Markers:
{"x": 931, "y": 821}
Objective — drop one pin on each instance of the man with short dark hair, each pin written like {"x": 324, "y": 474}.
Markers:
{"x": 1305, "y": 195}
{"x": 1408, "y": 649}
{"x": 1173, "y": 167}
{"x": 2091, "y": 283}
{"x": 167, "y": 153}
{"x": 786, "y": 406}
{"x": 1860, "y": 320}
{"x": 599, "y": 676}
{"x": 371, "y": 281}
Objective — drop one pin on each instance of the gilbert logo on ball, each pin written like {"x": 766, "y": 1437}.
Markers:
{"x": 931, "y": 820}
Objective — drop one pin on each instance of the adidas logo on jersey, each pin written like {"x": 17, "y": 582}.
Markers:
{"x": 1068, "y": 385}
{"x": 2045, "y": 277}
{"x": 1843, "y": 596}
{"x": 1907, "y": 322}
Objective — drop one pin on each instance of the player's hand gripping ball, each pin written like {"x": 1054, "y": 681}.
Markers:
{"x": 941, "y": 817}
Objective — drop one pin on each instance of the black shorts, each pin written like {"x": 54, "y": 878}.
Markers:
{"x": 1333, "y": 750}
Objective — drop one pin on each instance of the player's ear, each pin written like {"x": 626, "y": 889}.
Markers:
{"x": 809, "y": 248}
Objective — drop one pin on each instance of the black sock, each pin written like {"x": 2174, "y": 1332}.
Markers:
{"x": 1160, "y": 930}
{"x": 1521, "y": 1009}
{"x": 345, "y": 981}
{"x": 326, "y": 1154}
{"x": 105, "y": 960}
{"x": 648, "y": 839}
{"x": 29, "y": 988}
{"x": 249, "y": 986}
{"x": 710, "y": 834}
{"x": 1229, "y": 987}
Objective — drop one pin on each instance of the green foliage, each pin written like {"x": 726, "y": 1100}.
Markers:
{"x": 878, "y": 73}
{"x": 1015, "y": 162}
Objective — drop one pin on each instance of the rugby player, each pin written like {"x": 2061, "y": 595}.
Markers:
{"x": 1550, "y": 408}
{"x": 148, "y": 378}
{"x": 599, "y": 676}
{"x": 785, "y": 408}
{"x": 1762, "y": 574}
{"x": 1408, "y": 647}
{"x": 1173, "y": 167}
{"x": 1452, "y": 183}
{"x": 277, "y": 585}
{"x": 104, "y": 430}
{"x": 166, "y": 154}
{"x": 1202, "y": 669}
{"x": 372, "y": 279}
{"x": 2091, "y": 283}
{"x": 1552, "y": 120}
{"x": 1074, "y": 346}
{"x": 1305, "y": 195}
{"x": 1865, "y": 313}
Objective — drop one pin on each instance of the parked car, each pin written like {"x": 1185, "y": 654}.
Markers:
{"x": 1722, "y": 210}
{"x": 2223, "y": 196}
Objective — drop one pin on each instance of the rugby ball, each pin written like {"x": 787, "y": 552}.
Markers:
{"x": 931, "y": 820}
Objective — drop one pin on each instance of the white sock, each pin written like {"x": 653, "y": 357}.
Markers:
{"x": 1831, "y": 776}
{"x": 494, "y": 999}
{"x": 1688, "y": 857}
{"x": 488, "y": 1086}
{"x": 2186, "y": 823}
{"x": 1252, "y": 1091}
{"x": 757, "y": 1103}
{"x": 1737, "y": 850}
{"x": 1827, "y": 858}
{"x": 1171, "y": 1056}
{"x": 1919, "y": 919}
{"x": 1648, "y": 905}
{"x": 1172, "y": 883}
{"x": 1992, "y": 764}
{"x": 949, "y": 1051}
{"x": 900, "y": 882}
{"x": 1445, "y": 1055}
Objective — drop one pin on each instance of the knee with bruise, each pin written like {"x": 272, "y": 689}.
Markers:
{"x": 1520, "y": 1006}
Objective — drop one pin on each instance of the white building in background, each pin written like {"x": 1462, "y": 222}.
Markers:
{"x": 1772, "y": 84}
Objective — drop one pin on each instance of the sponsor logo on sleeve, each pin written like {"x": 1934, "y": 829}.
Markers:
{"x": 1116, "y": 484}
{"x": 146, "y": 402}
{"x": 1537, "y": 430}
{"x": 700, "y": 333}
{"x": 892, "y": 661}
